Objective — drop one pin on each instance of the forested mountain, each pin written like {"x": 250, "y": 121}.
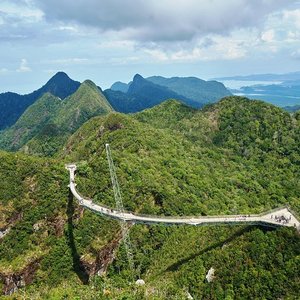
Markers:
{"x": 233, "y": 157}
{"x": 144, "y": 93}
{"x": 120, "y": 86}
{"x": 193, "y": 88}
{"x": 46, "y": 125}
{"x": 12, "y": 105}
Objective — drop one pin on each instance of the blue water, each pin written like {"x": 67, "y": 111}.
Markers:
{"x": 237, "y": 84}
{"x": 282, "y": 100}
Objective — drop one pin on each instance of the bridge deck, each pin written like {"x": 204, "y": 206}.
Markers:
{"x": 277, "y": 217}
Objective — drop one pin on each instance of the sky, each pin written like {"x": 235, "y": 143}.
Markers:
{"x": 112, "y": 40}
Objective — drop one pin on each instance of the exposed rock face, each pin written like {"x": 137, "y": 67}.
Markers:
{"x": 189, "y": 296}
{"x": 140, "y": 282}
{"x": 4, "y": 232}
{"x": 10, "y": 222}
{"x": 210, "y": 275}
{"x": 58, "y": 225}
{"x": 12, "y": 282}
{"x": 104, "y": 258}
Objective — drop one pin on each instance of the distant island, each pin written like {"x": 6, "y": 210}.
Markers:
{"x": 279, "y": 89}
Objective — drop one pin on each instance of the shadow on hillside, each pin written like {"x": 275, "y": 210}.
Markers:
{"x": 77, "y": 264}
{"x": 178, "y": 264}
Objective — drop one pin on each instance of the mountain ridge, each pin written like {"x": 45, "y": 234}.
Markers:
{"x": 170, "y": 160}
{"x": 193, "y": 88}
{"x": 48, "y": 132}
{"x": 12, "y": 105}
{"x": 142, "y": 93}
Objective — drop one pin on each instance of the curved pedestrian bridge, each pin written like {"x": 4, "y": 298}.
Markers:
{"x": 278, "y": 217}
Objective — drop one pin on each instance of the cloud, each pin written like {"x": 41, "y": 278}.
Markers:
{"x": 21, "y": 9}
{"x": 206, "y": 49}
{"x": 296, "y": 54}
{"x": 268, "y": 36}
{"x": 24, "y": 66}
{"x": 3, "y": 70}
{"x": 99, "y": 39}
{"x": 164, "y": 20}
{"x": 292, "y": 16}
{"x": 22, "y": 22}
{"x": 69, "y": 61}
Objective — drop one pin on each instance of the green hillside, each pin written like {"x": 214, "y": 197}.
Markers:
{"x": 193, "y": 88}
{"x": 34, "y": 119}
{"x": 86, "y": 102}
{"x": 46, "y": 125}
{"x": 41, "y": 245}
{"x": 142, "y": 94}
{"x": 171, "y": 160}
{"x": 188, "y": 159}
{"x": 13, "y": 105}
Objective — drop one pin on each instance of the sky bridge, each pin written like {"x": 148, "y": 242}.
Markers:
{"x": 282, "y": 216}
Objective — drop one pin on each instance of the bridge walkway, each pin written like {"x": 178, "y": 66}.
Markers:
{"x": 278, "y": 217}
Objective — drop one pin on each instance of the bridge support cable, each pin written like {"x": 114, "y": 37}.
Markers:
{"x": 120, "y": 208}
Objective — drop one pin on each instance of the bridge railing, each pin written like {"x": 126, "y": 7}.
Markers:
{"x": 296, "y": 215}
{"x": 181, "y": 217}
{"x": 271, "y": 210}
{"x": 245, "y": 215}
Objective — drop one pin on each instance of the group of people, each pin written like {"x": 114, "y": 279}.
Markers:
{"x": 282, "y": 219}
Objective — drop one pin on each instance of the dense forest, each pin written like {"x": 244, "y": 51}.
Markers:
{"x": 13, "y": 105}
{"x": 46, "y": 125}
{"x": 235, "y": 156}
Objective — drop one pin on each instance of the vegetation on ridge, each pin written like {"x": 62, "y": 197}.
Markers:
{"x": 47, "y": 124}
{"x": 13, "y": 105}
{"x": 193, "y": 88}
{"x": 236, "y": 156}
{"x": 144, "y": 93}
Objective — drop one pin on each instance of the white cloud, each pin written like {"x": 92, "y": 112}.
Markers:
{"x": 116, "y": 44}
{"x": 283, "y": 25}
{"x": 268, "y": 36}
{"x": 119, "y": 61}
{"x": 292, "y": 16}
{"x": 165, "y": 20}
{"x": 3, "y": 70}
{"x": 108, "y": 38}
{"x": 68, "y": 61}
{"x": 21, "y": 9}
{"x": 24, "y": 66}
{"x": 157, "y": 54}
{"x": 210, "y": 48}
{"x": 296, "y": 54}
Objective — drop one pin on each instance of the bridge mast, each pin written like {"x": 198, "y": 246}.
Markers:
{"x": 120, "y": 208}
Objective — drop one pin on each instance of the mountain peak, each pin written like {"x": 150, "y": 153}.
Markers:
{"x": 58, "y": 81}
{"x": 120, "y": 86}
{"x": 60, "y": 85}
{"x": 60, "y": 76}
{"x": 138, "y": 77}
{"x": 12, "y": 105}
{"x": 89, "y": 83}
{"x": 88, "y": 94}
